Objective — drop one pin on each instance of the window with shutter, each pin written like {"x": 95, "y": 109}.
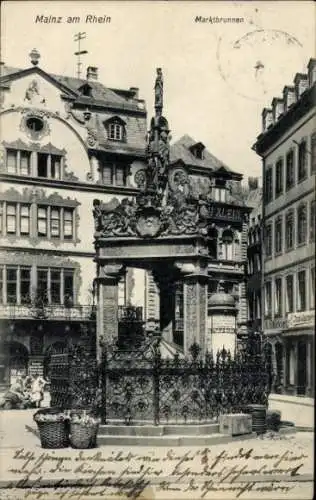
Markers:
{"x": 55, "y": 166}
{"x": 68, "y": 224}
{"x": 12, "y": 161}
{"x": 24, "y": 219}
{"x": 11, "y": 218}
{"x": 42, "y": 221}
{"x": 25, "y": 163}
{"x": 55, "y": 222}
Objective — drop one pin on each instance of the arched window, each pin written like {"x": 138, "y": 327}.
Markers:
{"x": 301, "y": 224}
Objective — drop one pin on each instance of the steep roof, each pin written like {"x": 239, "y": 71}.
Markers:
{"x": 180, "y": 150}
{"x": 100, "y": 94}
{"x": 98, "y": 91}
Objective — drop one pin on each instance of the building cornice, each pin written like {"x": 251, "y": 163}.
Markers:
{"x": 46, "y": 251}
{"x": 73, "y": 185}
{"x": 286, "y": 121}
{"x": 287, "y": 204}
{"x": 290, "y": 268}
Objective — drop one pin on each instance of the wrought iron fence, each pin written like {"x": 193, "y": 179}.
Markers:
{"x": 74, "y": 378}
{"x": 139, "y": 386}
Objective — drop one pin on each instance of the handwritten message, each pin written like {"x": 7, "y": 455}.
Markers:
{"x": 160, "y": 473}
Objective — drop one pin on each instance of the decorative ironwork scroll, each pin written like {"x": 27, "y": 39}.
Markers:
{"x": 138, "y": 385}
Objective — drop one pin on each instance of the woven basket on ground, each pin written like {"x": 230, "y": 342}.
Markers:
{"x": 53, "y": 427}
{"x": 83, "y": 429}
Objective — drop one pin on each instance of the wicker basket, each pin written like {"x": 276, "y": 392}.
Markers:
{"x": 83, "y": 435}
{"x": 53, "y": 434}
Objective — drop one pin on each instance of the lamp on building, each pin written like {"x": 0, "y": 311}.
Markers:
{"x": 12, "y": 327}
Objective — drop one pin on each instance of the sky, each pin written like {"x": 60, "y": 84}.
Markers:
{"x": 218, "y": 76}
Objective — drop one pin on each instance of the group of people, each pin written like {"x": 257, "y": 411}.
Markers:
{"x": 26, "y": 392}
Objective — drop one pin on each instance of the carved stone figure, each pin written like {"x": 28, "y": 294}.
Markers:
{"x": 159, "y": 89}
{"x": 32, "y": 94}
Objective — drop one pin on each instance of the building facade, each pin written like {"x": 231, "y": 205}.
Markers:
{"x": 64, "y": 142}
{"x": 287, "y": 146}
{"x": 254, "y": 255}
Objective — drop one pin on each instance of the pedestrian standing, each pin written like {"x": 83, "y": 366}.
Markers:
{"x": 37, "y": 391}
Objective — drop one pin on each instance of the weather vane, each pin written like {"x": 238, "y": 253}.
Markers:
{"x": 78, "y": 37}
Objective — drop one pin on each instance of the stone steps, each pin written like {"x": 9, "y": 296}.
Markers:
{"x": 158, "y": 430}
{"x": 169, "y": 440}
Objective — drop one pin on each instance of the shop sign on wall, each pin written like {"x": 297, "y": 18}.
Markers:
{"x": 275, "y": 323}
{"x": 222, "y": 212}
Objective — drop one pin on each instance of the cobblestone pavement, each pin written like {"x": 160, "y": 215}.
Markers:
{"x": 273, "y": 466}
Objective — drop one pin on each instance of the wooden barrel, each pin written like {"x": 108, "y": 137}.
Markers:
{"x": 259, "y": 418}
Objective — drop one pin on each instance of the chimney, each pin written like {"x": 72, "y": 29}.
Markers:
{"x": 277, "y": 107}
{"x": 311, "y": 72}
{"x": 300, "y": 84}
{"x": 288, "y": 97}
{"x": 267, "y": 119}
{"x": 92, "y": 73}
{"x": 135, "y": 91}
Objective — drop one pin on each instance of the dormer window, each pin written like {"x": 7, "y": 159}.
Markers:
{"x": 115, "y": 132}
{"x": 86, "y": 90}
{"x": 198, "y": 150}
{"x": 115, "y": 128}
